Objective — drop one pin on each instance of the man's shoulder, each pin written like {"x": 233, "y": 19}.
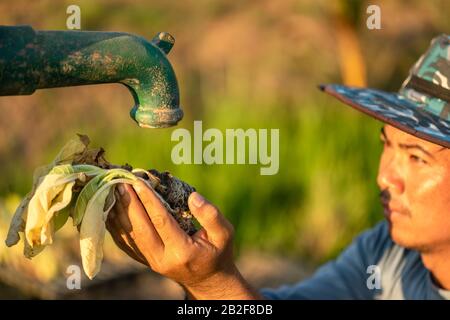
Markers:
{"x": 402, "y": 272}
{"x": 377, "y": 237}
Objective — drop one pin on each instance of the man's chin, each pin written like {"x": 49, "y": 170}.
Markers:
{"x": 403, "y": 238}
{"x": 399, "y": 236}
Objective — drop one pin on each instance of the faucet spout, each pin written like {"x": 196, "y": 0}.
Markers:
{"x": 31, "y": 60}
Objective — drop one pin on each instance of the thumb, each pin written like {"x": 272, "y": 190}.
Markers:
{"x": 218, "y": 229}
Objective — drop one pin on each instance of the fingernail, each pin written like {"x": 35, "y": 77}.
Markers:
{"x": 197, "y": 199}
{"x": 121, "y": 189}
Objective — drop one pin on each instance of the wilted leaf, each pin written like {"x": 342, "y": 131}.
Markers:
{"x": 92, "y": 231}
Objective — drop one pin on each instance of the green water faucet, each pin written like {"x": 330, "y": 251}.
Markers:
{"x": 31, "y": 60}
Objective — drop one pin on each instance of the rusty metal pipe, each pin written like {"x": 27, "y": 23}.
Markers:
{"x": 31, "y": 60}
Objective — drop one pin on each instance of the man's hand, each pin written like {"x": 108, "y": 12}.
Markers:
{"x": 202, "y": 263}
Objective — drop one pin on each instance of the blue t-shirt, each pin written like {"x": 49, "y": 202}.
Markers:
{"x": 372, "y": 267}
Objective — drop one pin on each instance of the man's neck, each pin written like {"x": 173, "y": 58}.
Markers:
{"x": 438, "y": 263}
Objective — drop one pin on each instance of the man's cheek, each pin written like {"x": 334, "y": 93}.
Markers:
{"x": 421, "y": 193}
{"x": 428, "y": 184}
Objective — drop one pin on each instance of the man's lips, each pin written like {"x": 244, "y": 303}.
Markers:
{"x": 390, "y": 208}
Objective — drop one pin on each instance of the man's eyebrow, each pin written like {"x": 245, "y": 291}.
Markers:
{"x": 411, "y": 146}
{"x": 415, "y": 146}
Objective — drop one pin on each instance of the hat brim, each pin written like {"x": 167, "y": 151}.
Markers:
{"x": 394, "y": 109}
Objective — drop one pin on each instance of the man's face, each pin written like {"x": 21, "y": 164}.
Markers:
{"x": 414, "y": 177}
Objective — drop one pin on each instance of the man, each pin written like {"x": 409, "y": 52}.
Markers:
{"x": 410, "y": 251}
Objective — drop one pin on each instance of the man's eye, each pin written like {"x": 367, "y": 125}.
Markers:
{"x": 385, "y": 143}
{"x": 417, "y": 159}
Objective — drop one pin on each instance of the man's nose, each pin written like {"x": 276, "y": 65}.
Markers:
{"x": 389, "y": 176}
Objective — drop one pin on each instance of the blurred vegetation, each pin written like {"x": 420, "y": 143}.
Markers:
{"x": 245, "y": 64}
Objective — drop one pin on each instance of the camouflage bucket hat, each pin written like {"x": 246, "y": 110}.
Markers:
{"x": 422, "y": 105}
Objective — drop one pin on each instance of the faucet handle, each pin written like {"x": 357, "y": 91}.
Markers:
{"x": 164, "y": 41}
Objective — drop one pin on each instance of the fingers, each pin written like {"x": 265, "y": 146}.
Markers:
{"x": 121, "y": 210}
{"x": 166, "y": 226}
{"x": 200, "y": 235}
{"x": 120, "y": 239}
{"x": 134, "y": 220}
{"x": 218, "y": 229}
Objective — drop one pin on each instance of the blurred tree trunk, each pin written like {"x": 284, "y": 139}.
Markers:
{"x": 347, "y": 18}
